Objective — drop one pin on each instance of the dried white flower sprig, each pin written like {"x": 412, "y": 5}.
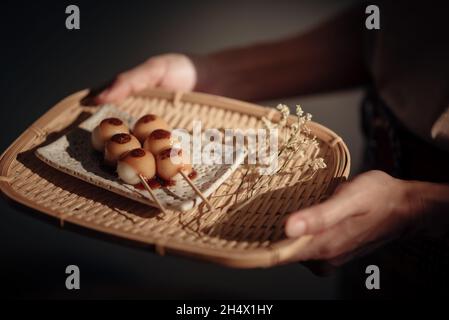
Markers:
{"x": 295, "y": 146}
{"x": 298, "y": 138}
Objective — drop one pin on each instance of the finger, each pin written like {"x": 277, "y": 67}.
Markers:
{"x": 119, "y": 90}
{"x": 343, "y": 242}
{"x": 331, "y": 243}
{"x": 131, "y": 82}
{"x": 317, "y": 218}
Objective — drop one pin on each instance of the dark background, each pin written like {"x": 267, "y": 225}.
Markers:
{"x": 42, "y": 62}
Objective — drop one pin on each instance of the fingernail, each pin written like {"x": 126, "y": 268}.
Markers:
{"x": 296, "y": 229}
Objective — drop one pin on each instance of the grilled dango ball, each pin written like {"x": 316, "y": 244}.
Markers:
{"x": 147, "y": 124}
{"x": 170, "y": 162}
{"x": 118, "y": 145}
{"x": 159, "y": 140}
{"x": 105, "y": 130}
{"x": 134, "y": 163}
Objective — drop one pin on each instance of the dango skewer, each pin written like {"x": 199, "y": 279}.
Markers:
{"x": 137, "y": 166}
{"x": 170, "y": 162}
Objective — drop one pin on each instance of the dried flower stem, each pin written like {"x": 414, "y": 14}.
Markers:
{"x": 297, "y": 139}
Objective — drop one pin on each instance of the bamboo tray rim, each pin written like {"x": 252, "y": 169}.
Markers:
{"x": 279, "y": 252}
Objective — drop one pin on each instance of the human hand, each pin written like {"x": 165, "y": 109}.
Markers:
{"x": 359, "y": 216}
{"x": 170, "y": 71}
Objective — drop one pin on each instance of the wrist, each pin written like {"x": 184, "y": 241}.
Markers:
{"x": 208, "y": 74}
{"x": 428, "y": 204}
{"x": 241, "y": 73}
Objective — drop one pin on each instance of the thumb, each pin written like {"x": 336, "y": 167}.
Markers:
{"x": 312, "y": 220}
{"x": 132, "y": 81}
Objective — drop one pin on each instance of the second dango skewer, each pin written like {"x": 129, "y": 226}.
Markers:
{"x": 136, "y": 166}
{"x": 170, "y": 162}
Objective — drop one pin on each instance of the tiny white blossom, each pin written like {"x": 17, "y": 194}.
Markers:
{"x": 299, "y": 111}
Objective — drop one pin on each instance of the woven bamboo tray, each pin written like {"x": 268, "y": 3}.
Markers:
{"x": 250, "y": 237}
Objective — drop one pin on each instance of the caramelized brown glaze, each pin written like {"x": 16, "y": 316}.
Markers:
{"x": 160, "y": 134}
{"x": 121, "y": 138}
{"x": 137, "y": 153}
{"x": 113, "y": 121}
{"x": 164, "y": 154}
{"x": 147, "y": 118}
{"x": 156, "y": 183}
{"x": 192, "y": 175}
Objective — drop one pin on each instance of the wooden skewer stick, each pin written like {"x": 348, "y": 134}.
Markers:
{"x": 195, "y": 188}
{"x": 155, "y": 199}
